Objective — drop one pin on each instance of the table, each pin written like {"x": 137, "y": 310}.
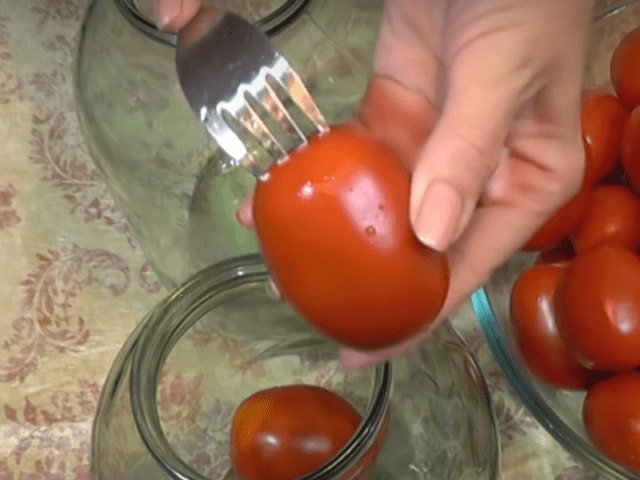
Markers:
{"x": 73, "y": 282}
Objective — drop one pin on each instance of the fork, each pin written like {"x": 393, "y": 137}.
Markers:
{"x": 247, "y": 95}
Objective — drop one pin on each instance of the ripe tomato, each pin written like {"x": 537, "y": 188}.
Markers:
{"x": 630, "y": 149}
{"x": 334, "y": 229}
{"x": 598, "y": 308}
{"x": 562, "y": 222}
{"x": 536, "y": 332}
{"x": 625, "y": 69}
{"x": 559, "y": 254}
{"x": 284, "y": 432}
{"x": 612, "y": 216}
{"x": 602, "y": 119}
{"x": 611, "y": 413}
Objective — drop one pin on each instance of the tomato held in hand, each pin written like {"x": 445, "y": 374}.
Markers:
{"x": 536, "y": 332}
{"x": 333, "y": 225}
{"x": 284, "y": 432}
{"x": 612, "y": 216}
{"x": 611, "y": 414}
{"x": 625, "y": 69}
{"x": 602, "y": 120}
{"x": 598, "y": 308}
{"x": 630, "y": 149}
{"x": 561, "y": 223}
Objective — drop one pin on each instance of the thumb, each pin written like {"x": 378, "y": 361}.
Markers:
{"x": 462, "y": 153}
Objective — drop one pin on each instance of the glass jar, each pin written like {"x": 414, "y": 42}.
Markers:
{"x": 166, "y": 405}
{"x": 178, "y": 190}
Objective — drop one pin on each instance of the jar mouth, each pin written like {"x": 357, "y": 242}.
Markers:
{"x": 173, "y": 318}
{"x": 271, "y": 24}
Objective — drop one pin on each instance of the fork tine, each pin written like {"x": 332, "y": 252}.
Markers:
{"x": 254, "y": 121}
{"x": 293, "y": 85}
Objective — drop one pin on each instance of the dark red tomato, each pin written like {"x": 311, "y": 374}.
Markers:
{"x": 536, "y": 332}
{"x": 334, "y": 229}
{"x": 612, "y": 216}
{"x": 598, "y": 308}
{"x": 561, "y": 223}
{"x": 559, "y": 254}
{"x": 630, "y": 149}
{"x": 284, "y": 432}
{"x": 611, "y": 413}
{"x": 625, "y": 69}
{"x": 602, "y": 119}
{"x": 401, "y": 117}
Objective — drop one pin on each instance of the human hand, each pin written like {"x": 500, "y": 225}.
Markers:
{"x": 494, "y": 92}
{"x": 174, "y": 14}
{"x": 481, "y": 99}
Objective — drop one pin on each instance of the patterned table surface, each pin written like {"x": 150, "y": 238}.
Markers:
{"x": 73, "y": 282}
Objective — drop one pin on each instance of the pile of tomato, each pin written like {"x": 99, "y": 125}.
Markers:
{"x": 576, "y": 312}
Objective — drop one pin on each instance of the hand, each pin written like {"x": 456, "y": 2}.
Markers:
{"x": 174, "y": 14}
{"x": 481, "y": 99}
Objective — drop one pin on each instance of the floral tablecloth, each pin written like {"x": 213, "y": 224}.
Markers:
{"x": 73, "y": 282}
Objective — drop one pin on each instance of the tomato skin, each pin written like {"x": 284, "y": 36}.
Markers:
{"x": 625, "y": 69}
{"x": 612, "y": 216}
{"x": 597, "y": 307}
{"x": 630, "y": 149}
{"x": 602, "y": 119}
{"x": 611, "y": 413}
{"x": 334, "y": 229}
{"x": 559, "y": 254}
{"x": 536, "y": 331}
{"x": 561, "y": 223}
{"x": 309, "y": 424}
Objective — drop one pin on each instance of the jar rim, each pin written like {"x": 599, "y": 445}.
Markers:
{"x": 271, "y": 24}
{"x": 170, "y": 320}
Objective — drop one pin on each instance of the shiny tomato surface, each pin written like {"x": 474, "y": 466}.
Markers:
{"x": 597, "y": 306}
{"x": 562, "y": 222}
{"x": 630, "y": 149}
{"x": 625, "y": 69}
{"x": 603, "y": 117}
{"x": 611, "y": 414}
{"x": 333, "y": 225}
{"x": 612, "y": 216}
{"x": 536, "y": 332}
{"x": 284, "y": 432}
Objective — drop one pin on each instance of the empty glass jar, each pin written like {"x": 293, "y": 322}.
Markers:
{"x": 178, "y": 190}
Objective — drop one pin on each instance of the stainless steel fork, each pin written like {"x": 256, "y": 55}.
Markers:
{"x": 248, "y": 97}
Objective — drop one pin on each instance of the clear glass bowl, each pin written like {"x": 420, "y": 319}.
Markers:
{"x": 559, "y": 411}
{"x": 167, "y": 402}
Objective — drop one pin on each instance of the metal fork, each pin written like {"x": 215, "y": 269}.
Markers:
{"x": 248, "y": 97}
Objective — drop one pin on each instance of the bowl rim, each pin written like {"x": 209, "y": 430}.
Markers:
{"x": 530, "y": 397}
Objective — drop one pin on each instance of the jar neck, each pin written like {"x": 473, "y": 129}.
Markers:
{"x": 271, "y": 24}
{"x": 171, "y": 320}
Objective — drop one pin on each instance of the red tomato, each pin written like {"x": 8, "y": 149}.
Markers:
{"x": 611, "y": 414}
{"x": 612, "y": 216}
{"x": 559, "y": 254}
{"x": 625, "y": 69}
{"x": 630, "y": 150}
{"x": 334, "y": 229}
{"x": 284, "y": 432}
{"x": 561, "y": 223}
{"x": 602, "y": 119}
{"x": 536, "y": 332}
{"x": 598, "y": 308}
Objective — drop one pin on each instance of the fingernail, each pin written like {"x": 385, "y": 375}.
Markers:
{"x": 166, "y": 11}
{"x": 438, "y": 216}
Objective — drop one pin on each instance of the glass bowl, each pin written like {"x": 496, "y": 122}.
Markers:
{"x": 166, "y": 405}
{"x": 559, "y": 411}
